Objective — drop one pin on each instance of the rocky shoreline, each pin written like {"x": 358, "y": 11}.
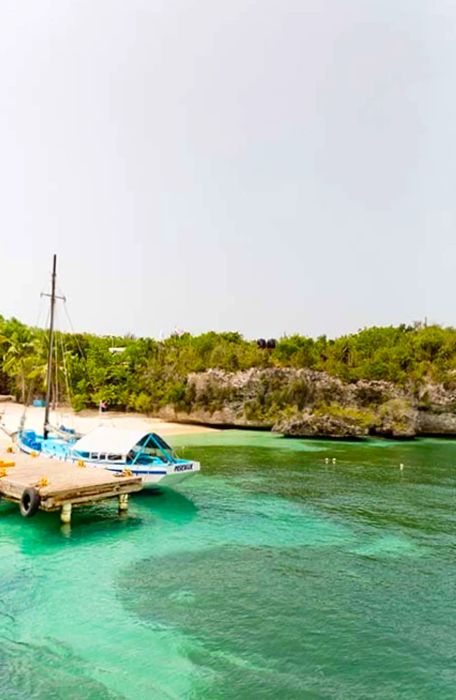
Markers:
{"x": 306, "y": 403}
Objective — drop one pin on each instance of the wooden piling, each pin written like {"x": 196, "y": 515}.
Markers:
{"x": 65, "y": 513}
{"x": 123, "y": 502}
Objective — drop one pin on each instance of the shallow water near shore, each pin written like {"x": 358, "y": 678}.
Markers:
{"x": 270, "y": 574}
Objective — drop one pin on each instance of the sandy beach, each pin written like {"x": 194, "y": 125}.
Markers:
{"x": 11, "y": 414}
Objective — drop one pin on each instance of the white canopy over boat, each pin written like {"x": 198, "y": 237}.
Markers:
{"x": 144, "y": 453}
{"x": 112, "y": 440}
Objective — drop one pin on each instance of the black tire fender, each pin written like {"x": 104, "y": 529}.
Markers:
{"x": 30, "y": 502}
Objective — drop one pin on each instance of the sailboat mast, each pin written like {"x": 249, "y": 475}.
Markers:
{"x": 51, "y": 345}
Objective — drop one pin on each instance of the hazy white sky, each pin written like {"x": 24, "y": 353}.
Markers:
{"x": 268, "y": 166}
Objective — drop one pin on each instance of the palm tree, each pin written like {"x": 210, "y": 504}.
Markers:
{"x": 23, "y": 357}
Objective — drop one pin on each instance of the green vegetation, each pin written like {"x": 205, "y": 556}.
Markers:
{"x": 149, "y": 374}
{"x": 365, "y": 419}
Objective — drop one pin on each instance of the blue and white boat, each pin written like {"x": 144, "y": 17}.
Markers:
{"x": 144, "y": 454}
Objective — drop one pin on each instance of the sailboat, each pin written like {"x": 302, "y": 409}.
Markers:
{"x": 144, "y": 454}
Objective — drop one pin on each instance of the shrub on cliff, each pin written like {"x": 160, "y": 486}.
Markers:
{"x": 362, "y": 418}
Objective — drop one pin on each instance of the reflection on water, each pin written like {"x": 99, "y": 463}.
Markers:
{"x": 168, "y": 504}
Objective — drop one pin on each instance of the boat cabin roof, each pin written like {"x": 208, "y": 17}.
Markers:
{"x": 113, "y": 440}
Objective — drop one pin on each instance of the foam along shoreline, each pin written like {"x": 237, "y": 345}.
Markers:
{"x": 11, "y": 414}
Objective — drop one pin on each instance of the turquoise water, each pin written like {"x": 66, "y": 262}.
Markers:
{"x": 270, "y": 574}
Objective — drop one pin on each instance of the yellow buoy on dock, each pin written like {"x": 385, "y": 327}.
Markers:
{"x": 4, "y": 464}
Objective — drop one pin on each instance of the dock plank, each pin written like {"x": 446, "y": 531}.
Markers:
{"x": 66, "y": 483}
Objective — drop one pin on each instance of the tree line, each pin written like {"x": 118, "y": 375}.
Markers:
{"x": 143, "y": 374}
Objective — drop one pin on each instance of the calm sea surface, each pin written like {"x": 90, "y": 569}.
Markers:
{"x": 270, "y": 575}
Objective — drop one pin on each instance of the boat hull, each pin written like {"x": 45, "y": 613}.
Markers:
{"x": 166, "y": 476}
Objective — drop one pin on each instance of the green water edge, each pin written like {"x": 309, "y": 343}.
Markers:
{"x": 270, "y": 574}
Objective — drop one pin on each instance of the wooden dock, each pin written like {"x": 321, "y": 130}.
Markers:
{"x": 50, "y": 484}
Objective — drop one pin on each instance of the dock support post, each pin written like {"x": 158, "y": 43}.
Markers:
{"x": 123, "y": 502}
{"x": 65, "y": 515}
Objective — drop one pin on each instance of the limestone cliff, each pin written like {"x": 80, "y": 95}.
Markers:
{"x": 303, "y": 402}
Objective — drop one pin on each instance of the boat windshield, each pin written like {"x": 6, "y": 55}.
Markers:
{"x": 164, "y": 445}
{"x": 149, "y": 449}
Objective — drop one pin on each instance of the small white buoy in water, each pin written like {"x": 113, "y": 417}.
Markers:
{"x": 401, "y": 466}
{"x": 334, "y": 460}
